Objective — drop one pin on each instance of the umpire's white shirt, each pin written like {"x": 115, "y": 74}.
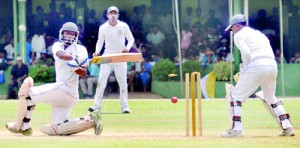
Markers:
{"x": 253, "y": 44}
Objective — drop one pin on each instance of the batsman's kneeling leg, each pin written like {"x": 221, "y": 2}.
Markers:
{"x": 23, "y": 95}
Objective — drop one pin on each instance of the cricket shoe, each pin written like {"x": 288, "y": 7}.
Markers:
{"x": 232, "y": 134}
{"x": 125, "y": 110}
{"x": 94, "y": 108}
{"x": 287, "y": 132}
{"x": 12, "y": 128}
{"x": 98, "y": 127}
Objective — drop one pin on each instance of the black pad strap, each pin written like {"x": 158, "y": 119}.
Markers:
{"x": 29, "y": 108}
{"x": 238, "y": 103}
{"x": 276, "y": 104}
{"x": 28, "y": 98}
{"x": 236, "y": 118}
{"x": 26, "y": 120}
{"x": 284, "y": 116}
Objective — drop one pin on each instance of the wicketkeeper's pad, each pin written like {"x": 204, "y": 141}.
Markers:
{"x": 276, "y": 110}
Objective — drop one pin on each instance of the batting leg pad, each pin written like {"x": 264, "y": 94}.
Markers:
{"x": 67, "y": 128}
{"x": 277, "y": 111}
{"x": 22, "y": 103}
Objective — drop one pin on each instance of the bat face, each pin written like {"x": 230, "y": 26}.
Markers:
{"x": 101, "y": 60}
{"x": 116, "y": 58}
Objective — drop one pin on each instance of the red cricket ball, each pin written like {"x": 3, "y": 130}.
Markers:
{"x": 174, "y": 99}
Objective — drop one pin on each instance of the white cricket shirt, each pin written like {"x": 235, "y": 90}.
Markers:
{"x": 114, "y": 37}
{"x": 63, "y": 71}
{"x": 253, "y": 44}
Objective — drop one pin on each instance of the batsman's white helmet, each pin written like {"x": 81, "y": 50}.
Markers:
{"x": 68, "y": 26}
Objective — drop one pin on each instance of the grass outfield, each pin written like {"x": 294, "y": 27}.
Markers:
{"x": 156, "y": 123}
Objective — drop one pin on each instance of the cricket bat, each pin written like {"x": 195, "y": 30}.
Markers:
{"x": 118, "y": 57}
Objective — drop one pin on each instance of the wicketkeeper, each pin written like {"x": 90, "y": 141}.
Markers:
{"x": 70, "y": 61}
{"x": 259, "y": 70}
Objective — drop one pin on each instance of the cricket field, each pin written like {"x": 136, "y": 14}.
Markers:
{"x": 156, "y": 123}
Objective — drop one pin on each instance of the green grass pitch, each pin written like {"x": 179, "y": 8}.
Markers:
{"x": 156, "y": 123}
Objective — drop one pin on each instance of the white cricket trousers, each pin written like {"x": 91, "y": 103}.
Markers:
{"x": 120, "y": 70}
{"x": 253, "y": 76}
{"x": 62, "y": 103}
{"x": 259, "y": 73}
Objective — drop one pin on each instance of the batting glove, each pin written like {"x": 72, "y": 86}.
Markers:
{"x": 73, "y": 65}
{"x": 82, "y": 61}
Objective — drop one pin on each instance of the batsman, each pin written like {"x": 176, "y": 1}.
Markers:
{"x": 259, "y": 70}
{"x": 71, "y": 60}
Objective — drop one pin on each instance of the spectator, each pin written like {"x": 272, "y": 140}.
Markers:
{"x": 202, "y": 50}
{"x": 138, "y": 45}
{"x": 92, "y": 23}
{"x": 17, "y": 75}
{"x": 4, "y": 62}
{"x": 38, "y": 22}
{"x": 103, "y": 17}
{"x": 137, "y": 33}
{"x": 62, "y": 12}
{"x": 38, "y": 44}
{"x": 87, "y": 83}
{"x": 30, "y": 55}
{"x": 209, "y": 58}
{"x": 296, "y": 58}
{"x": 6, "y": 36}
{"x": 189, "y": 17}
{"x": 81, "y": 36}
{"x": 156, "y": 37}
{"x": 274, "y": 19}
{"x": 91, "y": 28}
{"x": 199, "y": 20}
{"x": 10, "y": 49}
{"x": 278, "y": 56}
{"x": 132, "y": 71}
{"x": 261, "y": 22}
{"x": 53, "y": 21}
{"x": 147, "y": 17}
{"x": 224, "y": 55}
{"x": 213, "y": 21}
{"x": 186, "y": 37}
{"x": 166, "y": 23}
{"x": 136, "y": 18}
{"x": 145, "y": 74}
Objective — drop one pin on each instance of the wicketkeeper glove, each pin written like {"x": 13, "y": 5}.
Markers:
{"x": 236, "y": 76}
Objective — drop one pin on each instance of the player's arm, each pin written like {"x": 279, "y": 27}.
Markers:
{"x": 99, "y": 42}
{"x": 64, "y": 55}
{"x": 129, "y": 38}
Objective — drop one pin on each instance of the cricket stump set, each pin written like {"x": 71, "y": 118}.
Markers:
{"x": 192, "y": 84}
